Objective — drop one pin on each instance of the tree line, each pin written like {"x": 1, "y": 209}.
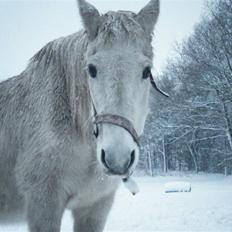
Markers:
{"x": 192, "y": 129}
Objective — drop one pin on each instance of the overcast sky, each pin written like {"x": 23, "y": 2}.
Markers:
{"x": 26, "y": 26}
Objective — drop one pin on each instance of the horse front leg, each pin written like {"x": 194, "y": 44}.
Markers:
{"x": 44, "y": 208}
{"x": 93, "y": 218}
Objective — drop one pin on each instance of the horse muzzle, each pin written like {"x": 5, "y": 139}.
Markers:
{"x": 118, "y": 144}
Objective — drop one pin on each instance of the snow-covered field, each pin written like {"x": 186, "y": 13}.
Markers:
{"x": 208, "y": 207}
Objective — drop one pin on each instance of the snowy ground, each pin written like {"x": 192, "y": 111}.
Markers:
{"x": 207, "y": 208}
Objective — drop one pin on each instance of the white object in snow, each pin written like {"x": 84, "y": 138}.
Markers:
{"x": 131, "y": 185}
{"x": 178, "y": 186}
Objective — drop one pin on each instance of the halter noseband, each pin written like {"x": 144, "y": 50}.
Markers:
{"x": 117, "y": 120}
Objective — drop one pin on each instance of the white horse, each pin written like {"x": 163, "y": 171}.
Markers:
{"x": 70, "y": 123}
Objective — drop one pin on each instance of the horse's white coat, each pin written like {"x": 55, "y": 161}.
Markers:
{"x": 49, "y": 157}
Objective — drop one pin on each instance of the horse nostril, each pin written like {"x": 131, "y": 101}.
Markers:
{"x": 103, "y": 158}
{"x": 132, "y": 159}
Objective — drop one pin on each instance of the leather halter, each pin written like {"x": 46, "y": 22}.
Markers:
{"x": 120, "y": 121}
{"x": 116, "y": 120}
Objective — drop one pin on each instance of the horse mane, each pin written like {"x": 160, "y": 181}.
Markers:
{"x": 55, "y": 50}
{"x": 59, "y": 68}
{"x": 46, "y": 54}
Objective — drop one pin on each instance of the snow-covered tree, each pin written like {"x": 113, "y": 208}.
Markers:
{"x": 192, "y": 130}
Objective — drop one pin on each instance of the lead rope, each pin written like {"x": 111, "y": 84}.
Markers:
{"x": 129, "y": 183}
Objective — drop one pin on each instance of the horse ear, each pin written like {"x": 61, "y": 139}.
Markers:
{"x": 148, "y": 16}
{"x": 90, "y": 17}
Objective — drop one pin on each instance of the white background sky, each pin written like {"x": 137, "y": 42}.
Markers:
{"x": 26, "y": 26}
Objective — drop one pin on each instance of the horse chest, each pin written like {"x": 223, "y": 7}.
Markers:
{"x": 91, "y": 190}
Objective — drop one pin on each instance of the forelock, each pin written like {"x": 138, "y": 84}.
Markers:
{"x": 121, "y": 27}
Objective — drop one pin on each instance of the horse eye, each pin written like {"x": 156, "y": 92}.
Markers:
{"x": 146, "y": 72}
{"x": 92, "y": 70}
